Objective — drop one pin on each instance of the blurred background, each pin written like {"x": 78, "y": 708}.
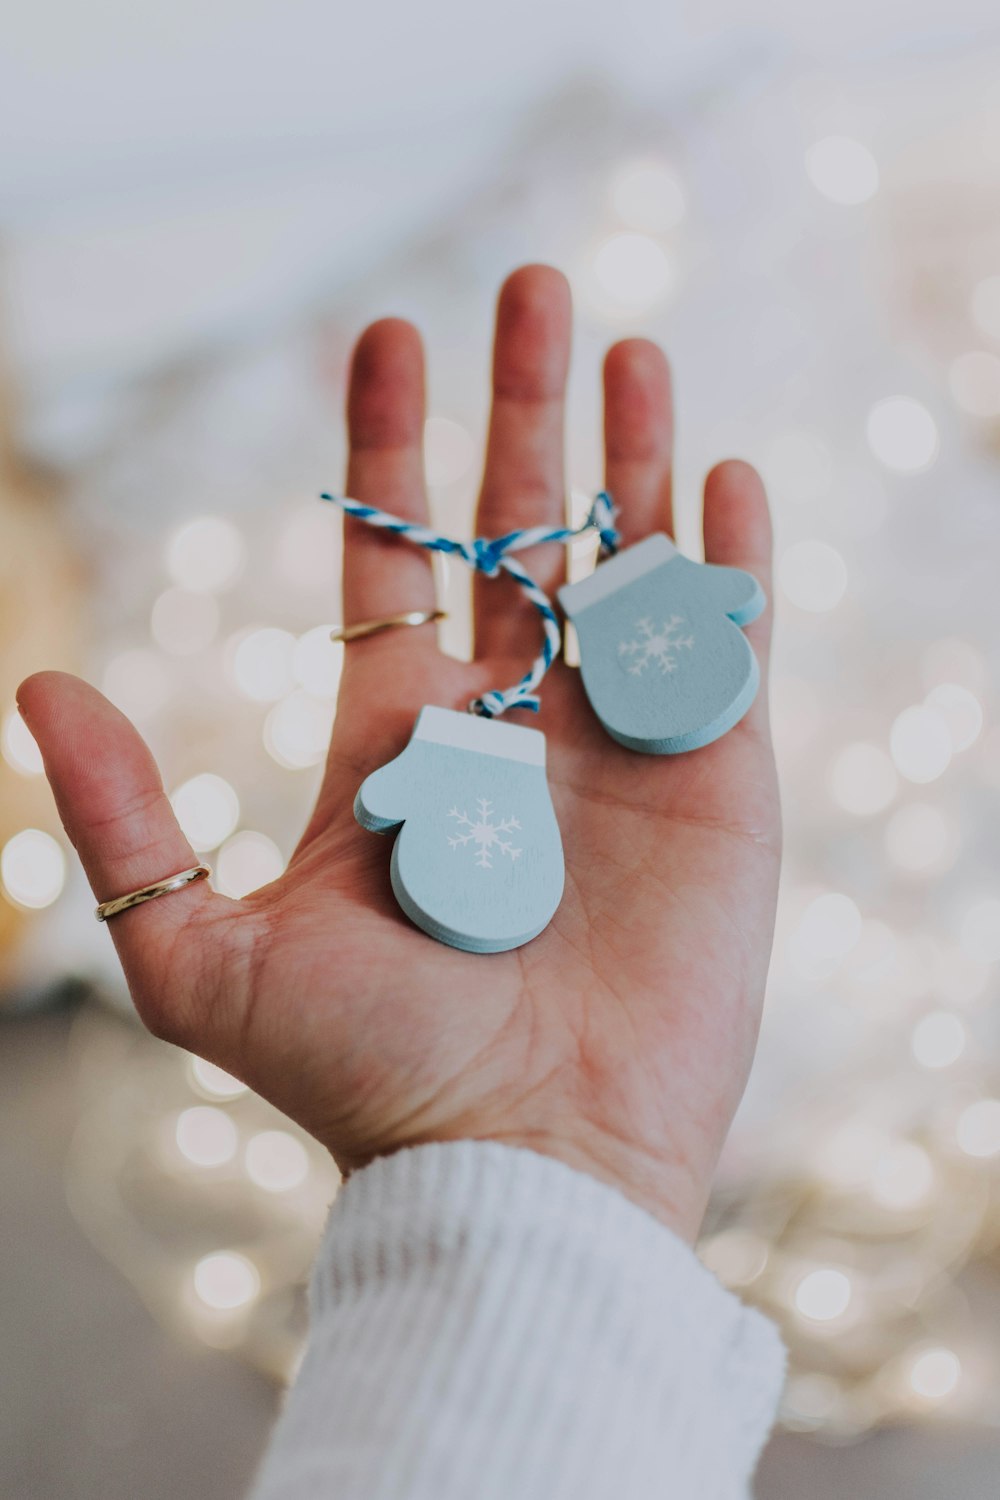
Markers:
{"x": 200, "y": 208}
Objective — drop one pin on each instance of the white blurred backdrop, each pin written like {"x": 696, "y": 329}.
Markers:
{"x": 199, "y": 210}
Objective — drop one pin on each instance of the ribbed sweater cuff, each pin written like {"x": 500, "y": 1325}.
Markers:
{"x": 489, "y": 1323}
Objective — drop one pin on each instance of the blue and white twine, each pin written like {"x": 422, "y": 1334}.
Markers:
{"x": 489, "y": 557}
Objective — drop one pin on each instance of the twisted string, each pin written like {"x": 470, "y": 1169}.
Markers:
{"x": 490, "y": 557}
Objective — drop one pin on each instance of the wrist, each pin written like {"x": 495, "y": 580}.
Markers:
{"x": 662, "y": 1182}
{"x": 667, "y": 1192}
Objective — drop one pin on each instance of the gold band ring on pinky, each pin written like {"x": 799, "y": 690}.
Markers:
{"x": 150, "y": 892}
{"x": 348, "y": 633}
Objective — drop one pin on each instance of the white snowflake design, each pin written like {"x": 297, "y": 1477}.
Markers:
{"x": 484, "y": 833}
{"x": 652, "y": 644}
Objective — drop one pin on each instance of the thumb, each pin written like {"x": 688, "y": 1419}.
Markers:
{"x": 112, "y": 804}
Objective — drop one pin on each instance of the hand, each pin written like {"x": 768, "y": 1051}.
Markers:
{"x": 620, "y": 1039}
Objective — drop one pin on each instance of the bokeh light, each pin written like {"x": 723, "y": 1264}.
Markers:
{"x": 737, "y": 1256}
{"x": 935, "y": 1373}
{"x": 920, "y": 838}
{"x": 226, "y": 1280}
{"x": 809, "y": 1400}
{"x": 207, "y": 808}
{"x": 317, "y": 662}
{"x": 205, "y": 555}
{"x": 978, "y": 1128}
{"x": 920, "y": 744}
{"x": 18, "y": 746}
{"x": 813, "y": 575}
{"x": 245, "y": 862}
{"x": 261, "y": 663}
{"x": 960, "y": 709}
{"x": 843, "y": 169}
{"x": 297, "y": 730}
{"x": 214, "y": 1081}
{"x": 648, "y": 196}
{"x": 206, "y": 1136}
{"x": 276, "y": 1161}
{"x": 902, "y": 1176}
{"x": 863, "y": 779}
{"x": 32, "y": 869}
{"x": 829, "y": 928}
{"x": 902, "y": 434}
{"x": 938, "y": 1039}
{"x": 823, "y": 1294}
{"x": 847, "y": 1153}
{"x": 875, "y": 960}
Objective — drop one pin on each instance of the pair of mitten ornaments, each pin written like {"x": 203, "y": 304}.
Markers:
{"x": 477, "y": 862}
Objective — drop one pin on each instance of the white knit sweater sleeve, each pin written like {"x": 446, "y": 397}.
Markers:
{"x": 489, "y": 1324}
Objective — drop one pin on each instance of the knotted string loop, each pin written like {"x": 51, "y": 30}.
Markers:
{"x": 483, "y": 555}
{"x": 491, "y": 556}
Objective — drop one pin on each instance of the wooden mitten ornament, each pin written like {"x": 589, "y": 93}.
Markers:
{"x": 663, "y": 660}
{"x": 478, "y": 860}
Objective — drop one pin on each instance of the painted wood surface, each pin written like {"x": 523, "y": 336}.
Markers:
{"x": 478, "y": 859}
{"x": 663, "y": 659}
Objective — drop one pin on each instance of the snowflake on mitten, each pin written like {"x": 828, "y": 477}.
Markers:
{"x": 657, "y": 645}
{"x": 484, "y": 833}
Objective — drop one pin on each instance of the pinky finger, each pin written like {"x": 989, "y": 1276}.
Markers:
{"x": 737, "y": 529}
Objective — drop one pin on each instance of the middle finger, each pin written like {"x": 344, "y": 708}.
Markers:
{"x": 524, "y": 477}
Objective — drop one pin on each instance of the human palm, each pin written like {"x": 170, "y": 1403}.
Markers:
{"x": 618, "y": 1040}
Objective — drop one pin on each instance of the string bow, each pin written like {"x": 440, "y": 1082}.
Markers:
{"x": 491, "y": 556}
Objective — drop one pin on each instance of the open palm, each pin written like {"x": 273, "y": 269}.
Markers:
{"x": 620, "y": 1039}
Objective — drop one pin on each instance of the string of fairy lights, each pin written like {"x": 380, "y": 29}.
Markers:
{"x": 853, "y": 1224}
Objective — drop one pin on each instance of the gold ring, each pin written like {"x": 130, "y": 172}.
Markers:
{"x": 347, "y": 633}
{"x": 150, "y": 892}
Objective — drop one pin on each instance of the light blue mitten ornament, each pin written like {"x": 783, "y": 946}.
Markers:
{"x": 478, "y": 860}
{"x": 663, "y": 660}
